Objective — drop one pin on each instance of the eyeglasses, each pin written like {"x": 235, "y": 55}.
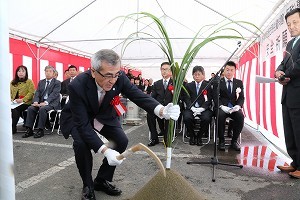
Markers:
{"x": 109, "y": 76}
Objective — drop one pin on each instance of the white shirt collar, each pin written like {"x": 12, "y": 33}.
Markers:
{"x": 228, "y": 79}
{"x": 99, "y": 89}
{"x": 166, "y": 79}
{"x": 200, "y": 83}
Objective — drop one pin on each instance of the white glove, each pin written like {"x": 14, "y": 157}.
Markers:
{"x": 235, "y": 109}
{"x": 193, "y": 109}
{"x": 197, "y": 111}
{"x": 226, "y": 109}
{"x": 171, "y": 111}
{"x": 200, "y": 110}
{"x": 111, "y": 156}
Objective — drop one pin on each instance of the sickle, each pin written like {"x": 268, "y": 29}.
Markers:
{"x": 139, "y": 147}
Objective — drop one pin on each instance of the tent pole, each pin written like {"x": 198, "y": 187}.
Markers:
{"x": 7, "y": 179}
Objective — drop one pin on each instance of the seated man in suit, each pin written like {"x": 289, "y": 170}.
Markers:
{"x": 231, "y": 99}
{"x": 201, "y": 107}
{"x": 46, "y": 98}
{"x": 93, "y": 107}
{"x": 72, "y": 73}
{"x": 162, "y": 93}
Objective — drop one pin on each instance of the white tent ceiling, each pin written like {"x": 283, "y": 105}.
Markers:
{"x": 84, "y": 26}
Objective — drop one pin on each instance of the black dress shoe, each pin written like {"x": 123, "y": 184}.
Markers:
{"x": 199, "y": 142}
{"x": 222, "y": 146}
{"x": 160, "y": 134}
{"x": 88, "y": 193}
{"x": 28, "y": 133}
{"x": 153, "y": 143}
{"x": 236, "y": 146}
{"x": 39, "y": 133}
{"x": 105, "y": 186}
{"x": 192, "y": 140}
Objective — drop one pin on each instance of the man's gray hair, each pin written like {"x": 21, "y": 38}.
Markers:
{"x": 50, "y": 67}
{"x": 107, "y": 55}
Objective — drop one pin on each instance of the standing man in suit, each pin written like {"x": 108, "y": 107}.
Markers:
{"x": 202, "y": 106}
{"x": 288, "y": 74}
{"x": 162, "y": 93}
{"x": 72, "y": 73}
{"x": 46, "y": 98}
{"x": 231, "y": 99}
{"x": 92, "y": 105}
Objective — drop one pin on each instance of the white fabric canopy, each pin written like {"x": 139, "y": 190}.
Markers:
{"x": 85, "y": 26}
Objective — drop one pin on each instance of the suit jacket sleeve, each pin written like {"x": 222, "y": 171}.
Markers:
{"x": 81, "y": 117}
{"x": 53, "y": 98}
{"x": 38, "y": 92}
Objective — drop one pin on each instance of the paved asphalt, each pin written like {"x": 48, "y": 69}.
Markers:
{"x": 45, "y": 169}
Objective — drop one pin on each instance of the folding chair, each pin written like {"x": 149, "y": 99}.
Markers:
{"x": 205, "y": 140}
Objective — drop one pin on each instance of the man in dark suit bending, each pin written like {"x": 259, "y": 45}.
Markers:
{"x": 288, "y": 74}
{"x": 231, "y": 100}
{"x": 91, "y": 107}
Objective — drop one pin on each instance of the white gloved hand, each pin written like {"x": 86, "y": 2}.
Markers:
{"x": 193, "y": 109}
{"x": 235, "y": 109}
{"x": 171, "y": 111}
{"x": 200, "y": 110}
{"x": 111, "y": 156}
{"x": 226, "y": 109}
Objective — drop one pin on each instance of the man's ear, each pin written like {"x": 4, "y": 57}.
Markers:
{"x": 93, "y": 72}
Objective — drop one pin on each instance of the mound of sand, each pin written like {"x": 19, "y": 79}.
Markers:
{"x": 171, "y": 187}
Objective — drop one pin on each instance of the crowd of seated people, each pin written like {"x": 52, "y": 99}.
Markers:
{"x": 197, "y": 100}
{"x": 34, "y": 104}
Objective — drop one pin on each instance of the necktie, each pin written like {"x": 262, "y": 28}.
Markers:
{"x": 229, "y": 87}
{"x": 46, "y": 90}
{"x": 101, "y": 96}
{"x": 71, "y": 79}
{"x": 197, "y": 90}
{"x": 229, "y": 92}
{"x": 98, "y": 125}
{"x": 165, "y": 84}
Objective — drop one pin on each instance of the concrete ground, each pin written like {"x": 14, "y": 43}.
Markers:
{"x": 45, "y": 168}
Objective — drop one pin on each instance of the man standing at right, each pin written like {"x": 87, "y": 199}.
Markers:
{"x": 288, "y": 74}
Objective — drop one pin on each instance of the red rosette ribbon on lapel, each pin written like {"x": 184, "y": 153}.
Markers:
{"x": 205, "y": 94}
{"x": 171, "y": 88}
{"x": 119, "y": 107}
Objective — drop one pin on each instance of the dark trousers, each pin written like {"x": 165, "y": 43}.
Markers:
{"x": 84, "y": 158}
{"x": 162, "y": 124}
{"x": 291, "y": 119}
{"x": 238, "y": 124}
{"x": 189, "y": 121}
{"x": 16, "y": 114}
{"x": 42, "y": 113}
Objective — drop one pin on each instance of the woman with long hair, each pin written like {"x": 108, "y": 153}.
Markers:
{"x": 21, "y": 92}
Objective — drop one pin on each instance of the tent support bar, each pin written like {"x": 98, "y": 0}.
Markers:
{"x": 257, "y": 35}
{"x": 67, "y": 20}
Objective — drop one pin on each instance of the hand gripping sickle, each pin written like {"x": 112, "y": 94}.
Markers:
{"x": 139, "y": 147}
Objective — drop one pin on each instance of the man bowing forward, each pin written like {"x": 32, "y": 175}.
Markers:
{"x": 91, "y": 107}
